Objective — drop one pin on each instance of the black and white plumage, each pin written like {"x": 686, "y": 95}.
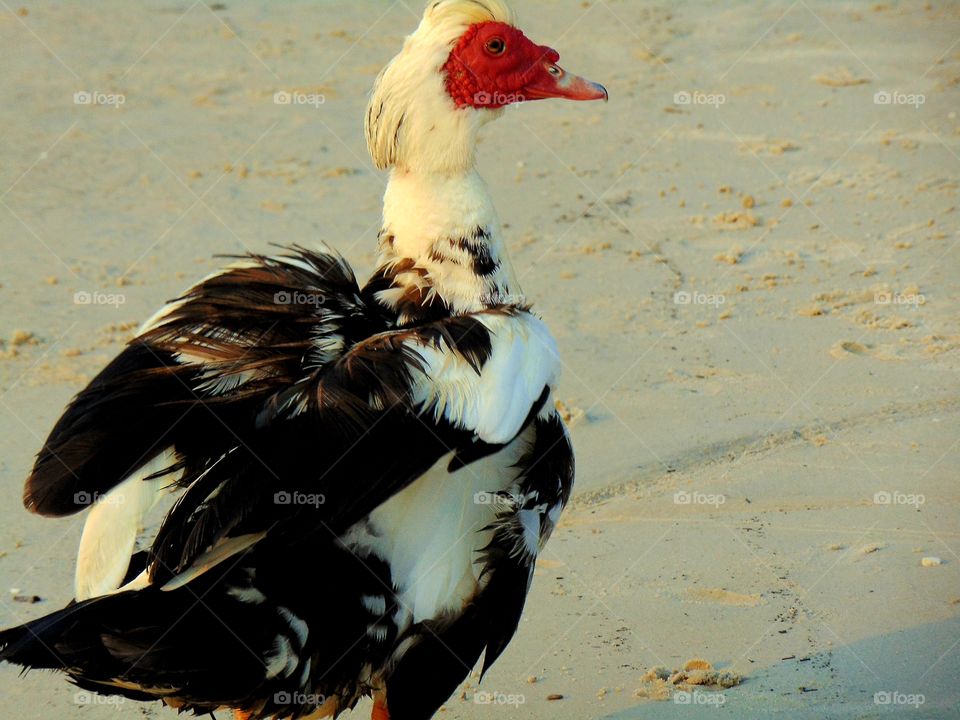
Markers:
{"x": 365, "y": 475}
{"x": 343, "y": 501}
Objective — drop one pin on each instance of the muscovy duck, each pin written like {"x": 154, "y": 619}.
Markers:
{"x": 365, "y": 473}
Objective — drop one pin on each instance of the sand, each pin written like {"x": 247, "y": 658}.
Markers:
{"x": 749, "y": 259}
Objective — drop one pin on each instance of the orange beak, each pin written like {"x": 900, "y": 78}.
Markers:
{"x": 555, "y": 82}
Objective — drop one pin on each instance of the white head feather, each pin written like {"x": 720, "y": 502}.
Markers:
{"x": 412, "y": 123}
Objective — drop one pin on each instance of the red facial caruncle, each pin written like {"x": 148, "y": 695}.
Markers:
{"x": 494, "y": 64}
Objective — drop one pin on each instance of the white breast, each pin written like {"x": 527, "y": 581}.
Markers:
{"x": 431, "y": 532}
{"x": 494, "y": 403}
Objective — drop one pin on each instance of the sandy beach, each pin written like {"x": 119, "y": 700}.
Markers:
{"x": 749, "y": 258}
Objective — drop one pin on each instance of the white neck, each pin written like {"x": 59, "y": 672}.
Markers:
{"x": 447, "y": 226}
{"x": 441, "y": 247}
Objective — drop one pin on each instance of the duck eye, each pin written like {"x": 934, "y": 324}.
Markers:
{"x": 495, "y": 46}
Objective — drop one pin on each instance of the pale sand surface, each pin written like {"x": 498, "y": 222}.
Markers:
{"x": 795, "y": 401}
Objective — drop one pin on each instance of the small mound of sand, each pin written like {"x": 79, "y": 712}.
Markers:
{"x": 740, "y": 220}
{"x": 22, "y": 337}
{"x": 810, "y": 311}
{"x": 660, "y": 683}
{"x": 839, "y": 77}
{"x": 570, "y": 414}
